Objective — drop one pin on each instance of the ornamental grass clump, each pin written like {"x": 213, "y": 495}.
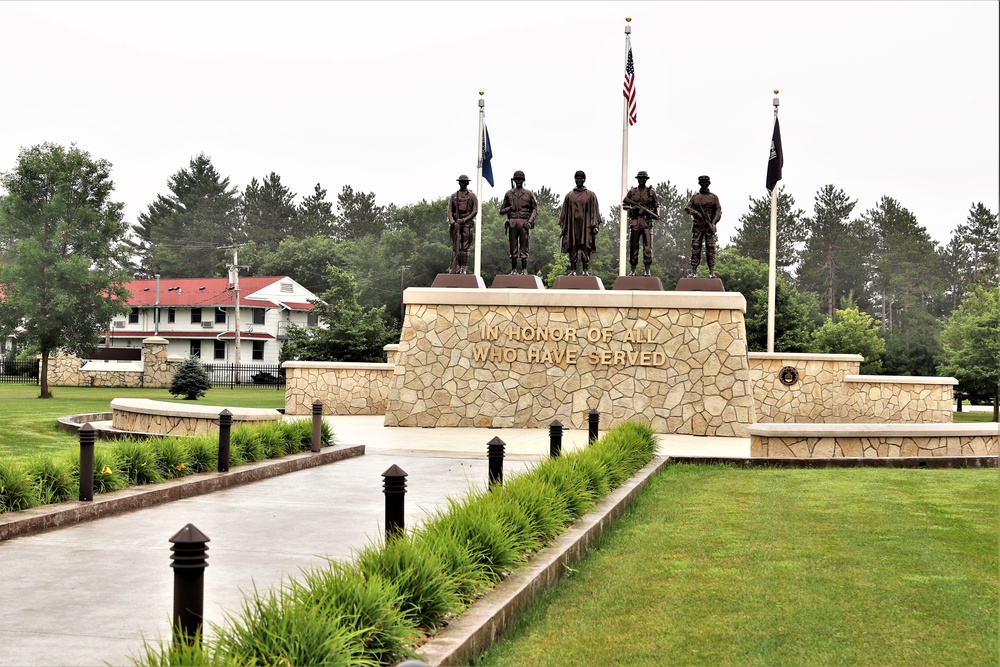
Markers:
{"x": 136, "y": 461}
{"x": 171, "y": 457}
{"x": 491, "y": 542}
{"x": 470, "y": 576}
{"x": 273, "y": 629}
{"x": 426, "y": 590}
{"x": 245, "y": 446}
{"x": 108, "y": 475}
{"x": 272, "y": 440}
{"x": 369, "y": 605}
{"x": 549, "y": 510}
{"x": 17, "y": 489}
{"x": 202, "y": 453}
{"x": 53, "y": 478}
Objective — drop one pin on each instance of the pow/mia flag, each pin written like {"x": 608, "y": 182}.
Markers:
{"x": 776, "y": 160}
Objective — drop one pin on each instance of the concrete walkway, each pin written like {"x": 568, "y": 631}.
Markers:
{"x": 89, "y": 594}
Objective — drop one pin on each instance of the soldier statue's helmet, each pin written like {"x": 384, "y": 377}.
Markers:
{"x": 579, "y": 174}
{"x": 463, "y": 177}
{"x": 642, "y": 174}
{"x": 704, "y": 179}
{"x": 517, "y": 175}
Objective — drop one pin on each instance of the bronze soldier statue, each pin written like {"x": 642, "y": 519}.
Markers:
{"x": 578, "y": 221}
{"x": 521, "y": 209}
{"x": 643, "y": 207}
{"x": 705, "y": 211}
{"x": 462, "y": 209}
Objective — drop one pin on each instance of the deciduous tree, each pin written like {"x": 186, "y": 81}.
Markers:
{"x": 971, "y": 340}
{"x": 62, "y": 265}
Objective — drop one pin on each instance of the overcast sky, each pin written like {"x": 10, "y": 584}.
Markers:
{"x": 877, "y": 98}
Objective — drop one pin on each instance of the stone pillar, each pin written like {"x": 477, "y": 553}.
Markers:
{"x": 156, "y": 371}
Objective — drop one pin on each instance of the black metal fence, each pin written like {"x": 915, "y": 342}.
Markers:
{"x": 260, "y": 376}
{"x": 22, "y": 372}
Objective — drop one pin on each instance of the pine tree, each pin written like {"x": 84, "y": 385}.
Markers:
{"x": 267, "y": 212}
{"x": 190, "y": 380}
{"x": 181, "y": 233}
{"x": 753, "y": 234}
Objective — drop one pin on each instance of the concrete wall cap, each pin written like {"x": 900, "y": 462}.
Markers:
{"x": 113, "y": 366}
{"x": 803, "y": 356}
{"x": 343, "y": 365}
{"x": 786, "y": 430}
{"x": 577, "y": 298}
{"x": 156, "y": 340}
{"x": 899, "y": 379}
{"x": 148, "y": 406}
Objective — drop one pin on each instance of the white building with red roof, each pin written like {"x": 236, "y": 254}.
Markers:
{"x": 198, "y": 316}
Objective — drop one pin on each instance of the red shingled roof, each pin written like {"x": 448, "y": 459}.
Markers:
{"x": 195, "y": 292}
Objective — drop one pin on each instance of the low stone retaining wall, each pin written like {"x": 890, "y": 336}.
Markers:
{"x": 873, "y": 440}
{"x": 825, "y": 388}
{"x": 142, "y": 415}
{"x": 912, "y": 400}
{"x": 344, "y": 388}
{"x": 155, "y": 370}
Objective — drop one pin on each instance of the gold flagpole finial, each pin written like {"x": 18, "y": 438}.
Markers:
{"x": 628, "y": 19}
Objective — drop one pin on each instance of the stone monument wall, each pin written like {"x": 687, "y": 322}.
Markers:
{"x": 522, "y": 358}
{"x": 344, "y": 388}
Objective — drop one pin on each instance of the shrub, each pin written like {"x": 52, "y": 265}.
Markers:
{"x": 17, "y": 489}
{"x": 190, "y": 380}
{"x": 53, "y": 478}
{"x": 136, "y": 461}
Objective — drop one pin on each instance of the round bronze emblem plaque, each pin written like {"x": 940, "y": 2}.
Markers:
{"x": 788, "y": 376}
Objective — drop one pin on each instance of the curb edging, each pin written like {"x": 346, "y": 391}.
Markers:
{"x": 49, "y": 517}
{"x": 476, "y": 628}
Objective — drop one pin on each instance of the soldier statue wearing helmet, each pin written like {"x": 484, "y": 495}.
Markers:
{"x": 643, "y": 207}
{"x": 462, "y": 209}
{"x": 705, "y": 211}
{"x": 521, "y": 209}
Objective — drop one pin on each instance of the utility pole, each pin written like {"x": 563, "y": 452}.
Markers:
{"x": 234, "y": 278}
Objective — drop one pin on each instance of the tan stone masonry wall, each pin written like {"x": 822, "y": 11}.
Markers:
{"x": 345, "y": 389}
{"x": 873, "y": 440}
{"x": 472, "y": 358}
{"x": 155, "y": 370}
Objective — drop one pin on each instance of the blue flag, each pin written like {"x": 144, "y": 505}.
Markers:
{"x": 487, "y": 156}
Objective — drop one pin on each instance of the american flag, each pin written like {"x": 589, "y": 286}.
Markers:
{"x": 629, "y": 90}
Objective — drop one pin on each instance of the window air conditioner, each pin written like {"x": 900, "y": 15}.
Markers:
{"x": 118, "y": 324}
{"x": 207, "y": 325}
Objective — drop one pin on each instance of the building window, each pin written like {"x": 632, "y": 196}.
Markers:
{"x": 133, "y": 316}
{"x": 220, "y": 316}
{"x": 195, "y": 348}
{"x": 195, "y": 315}
{"x": 258, "y": 315}
{"x": 258, "y": 350}
{"x": 312, "y": 319}
{"x": 171, "y": 315}
{"x": 220, "y": 349}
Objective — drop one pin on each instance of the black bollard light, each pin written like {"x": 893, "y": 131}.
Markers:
{"x": 555, "y": 438}
{"x": 394, "y": 488}
{"x": 494, "y": 449}
{"x": 225, "y": 429}
{"x": 594, "y": 420}
{"x": 317, "y": 424}
{"x": 189, "y": 557}
{"x": 87, "y": 437}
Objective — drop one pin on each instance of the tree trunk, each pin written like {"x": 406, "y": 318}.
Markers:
{"x": 43, "y": 375}
{"x": 996, "y": 407}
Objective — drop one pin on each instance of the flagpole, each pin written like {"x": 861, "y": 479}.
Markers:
{"x": 479, "y": 187}
{"x": 622, "y": 213}
{"x": 771, "y": 272}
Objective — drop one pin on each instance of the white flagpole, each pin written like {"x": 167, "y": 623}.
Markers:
{"x": 479, "y": 187}
{"x": 771, "y": 271}
{"x": 622, "y": 213}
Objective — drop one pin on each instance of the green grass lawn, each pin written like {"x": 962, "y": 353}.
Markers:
{"x": 722, "y": 566}
{"x": 972, "y": 417}
{"x": 28, "y": 423}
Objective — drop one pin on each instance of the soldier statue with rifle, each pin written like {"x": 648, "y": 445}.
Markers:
{"x": 462, "y": 210}
{"x": 705, "y": 211}
{"x": 643, "y": 207}
{"x": 521, "y": 209}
